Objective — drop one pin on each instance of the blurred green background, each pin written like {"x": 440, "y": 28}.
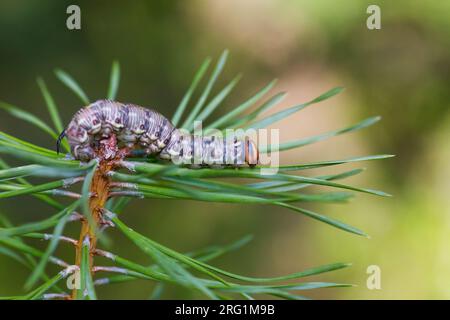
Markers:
{"x": 400, "y": 72}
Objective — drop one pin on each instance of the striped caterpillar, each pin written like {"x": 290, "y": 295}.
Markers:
{"x": 138, "y": 128}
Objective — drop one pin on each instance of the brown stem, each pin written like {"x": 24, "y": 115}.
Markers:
{"x": 108, "y": 155}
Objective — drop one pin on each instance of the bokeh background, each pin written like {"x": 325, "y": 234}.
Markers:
{"x": 400, "y": 72}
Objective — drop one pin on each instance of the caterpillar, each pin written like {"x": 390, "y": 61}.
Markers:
{"x": 143, "y": 129}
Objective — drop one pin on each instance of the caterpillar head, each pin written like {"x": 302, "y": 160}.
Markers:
{"x": 78, "y": 138}
{"x": 83, "y": 152}
{"x": 251, "y": 153}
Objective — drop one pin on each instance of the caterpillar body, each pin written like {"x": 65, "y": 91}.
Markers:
{"x": 139, "y": 128}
